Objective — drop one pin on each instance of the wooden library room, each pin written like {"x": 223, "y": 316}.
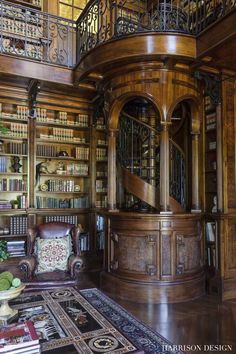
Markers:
{"x": 117, "y": 176}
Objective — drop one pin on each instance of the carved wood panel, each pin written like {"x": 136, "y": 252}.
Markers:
{"x": 231, "y": 248}
{"x": 166, "y": 254}
{"x": 136, "y": 254}
{"x": 188, "y": 253}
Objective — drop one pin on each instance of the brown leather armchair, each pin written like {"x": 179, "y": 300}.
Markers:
{"x": 56, "y": 278}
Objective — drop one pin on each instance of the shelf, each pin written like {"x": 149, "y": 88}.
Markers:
{"x": 20, "y": 139}
{"x": 57, "y": 124}
{"x": 13, "y": 192}
{"x": 59, "y": 142}
{"x": 59, "y": 158}
{"x": 10, "y": 155}
{"x": 13, "y": 119}
{"x": 210, "y": 171}
{"x": 12, "y": 211}
{"x": 12, "y": 174}
{"x": 50, "y": 211}
{"x": 63, "y": 175}
{"x": 13, "y": 236}
{"x": 49, "y": 192}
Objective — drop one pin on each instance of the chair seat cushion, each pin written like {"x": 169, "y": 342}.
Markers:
{"x": 53, "y": 254}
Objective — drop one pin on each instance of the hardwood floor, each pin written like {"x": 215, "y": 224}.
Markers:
{"x": 204, "y": 321}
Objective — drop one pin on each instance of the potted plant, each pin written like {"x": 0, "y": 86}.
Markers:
{"x": 3, "y": 251}
{"x": 14, "y": 204}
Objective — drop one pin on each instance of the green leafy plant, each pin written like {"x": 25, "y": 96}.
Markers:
{"x": 3, "y": 130}
{"x": 3, "y": 251}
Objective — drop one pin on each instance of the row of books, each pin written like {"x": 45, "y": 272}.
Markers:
{"x": 16, "y": 148}
{"x": 17, "y": 130}
{"x": 59, "y": 185}
{"x": 12, "y": 185}
{"x": 82, "y": 120}
{"x": 212, "y": 145}
{"x": 84, "y": 241}
{"x": 77, "y": 169}
{"x": 101, "y": 186}
{"x": 211, "y": 231}
{"x": 62, "y": 135}
{"x": 5, "y": 204}
{"x": 54, "y": 203}
{"x": 102, "y": 203}
{"x": 18, "y": 225}
{"x": 16, "y": 248}
{"x": 3, "y": 164}
{"x": 22, "y": 113}
{"x": 19, "y": 338}
{"x": 101, "y": 154}
{"x": 70, "y": 219}
{"x": 82, "y": 153}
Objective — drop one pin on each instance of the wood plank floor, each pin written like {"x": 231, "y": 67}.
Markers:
{"x": 204, "y": 321}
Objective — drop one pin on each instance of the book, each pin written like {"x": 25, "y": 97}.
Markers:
{"x": 210, "y": 232}
{"x": 18, "y": 335}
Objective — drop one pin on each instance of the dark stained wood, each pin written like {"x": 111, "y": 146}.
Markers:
{"x": 202, "y": 321}
{"x": 150, "y": 257}
{"x": 219, "y": 43}
{"x": 33, "y": 69}
{"x": 135, "y": 48}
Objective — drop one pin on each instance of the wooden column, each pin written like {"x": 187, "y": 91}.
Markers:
{"x": 195, "y": 173}
{"x": 112, "y": 169}
{"x": 31, "y": 160}
{"x": 164, "y": 168}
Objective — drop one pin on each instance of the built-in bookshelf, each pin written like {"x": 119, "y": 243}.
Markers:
{"x": 62, "y": 167}
{"x": 46, "y": 176}
{"x": 210, "y": 156}
{"x": 101, "y": 164}
{"x": 211, "y": 197}
{"x": 22, "y": 29}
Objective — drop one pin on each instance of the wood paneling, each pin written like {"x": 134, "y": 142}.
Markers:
{"x": 136, "y": 48}
{"x": 156, "y": 255}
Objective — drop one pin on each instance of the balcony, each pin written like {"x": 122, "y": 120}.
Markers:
{"x": 43, "y": 38}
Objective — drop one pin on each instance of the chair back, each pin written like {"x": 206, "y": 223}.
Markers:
{"x": 53, "y": 230}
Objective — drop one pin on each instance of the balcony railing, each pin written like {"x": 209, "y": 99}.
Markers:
{"x": 103, "y": 20}
{"x": 36, "y": 35}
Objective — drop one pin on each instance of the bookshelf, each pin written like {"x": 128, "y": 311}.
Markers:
{"x": 14, "y": 179}
{"x": 210, "y": 156}
{"x": 62, "y": 160}
{"x": 101, "y": 164}
{"x": 22, "y": 29}
{"x": 211, "y": 196}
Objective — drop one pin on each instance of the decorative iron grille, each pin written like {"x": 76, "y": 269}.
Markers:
{"x": 138, "y": 150}
{"x": 103, "y": 20}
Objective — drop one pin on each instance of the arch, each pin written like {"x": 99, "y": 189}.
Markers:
{"x": 195, "y": 108}
{"x": 120, "y": 101}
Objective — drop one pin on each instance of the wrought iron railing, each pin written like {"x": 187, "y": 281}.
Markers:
{"x": 103, "y": 20}
{"x": 36, "y": 35}
{"x": 33, "y": 34}
{"x": 138, "y": 150}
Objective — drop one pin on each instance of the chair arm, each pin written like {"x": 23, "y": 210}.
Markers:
{"x": 75, "y": 263}
{"x": 28, "y": 265}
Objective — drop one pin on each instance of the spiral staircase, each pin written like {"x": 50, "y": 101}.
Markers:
{"x": 138, "y": 154}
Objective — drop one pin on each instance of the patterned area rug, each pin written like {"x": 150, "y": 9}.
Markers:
{"x": 87, "y": 321}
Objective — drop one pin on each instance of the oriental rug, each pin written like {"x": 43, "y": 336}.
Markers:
{"x": 69, "y": 321}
